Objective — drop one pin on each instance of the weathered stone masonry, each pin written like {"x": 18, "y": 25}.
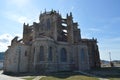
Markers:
{"x": 53, "y": 44}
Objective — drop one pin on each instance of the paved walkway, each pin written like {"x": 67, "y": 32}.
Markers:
{"x": 5, "y": 77}
{"x": 38, "y": 77}
{"x": 103, "y": 79}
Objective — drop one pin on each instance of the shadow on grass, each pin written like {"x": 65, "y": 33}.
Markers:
{"x": 63, "y": 74}
{"x": 56, "y": 75}
{"x": 60, "y": 74}
{"x": 109, "y": 72}
{"x": 106, "y": 72}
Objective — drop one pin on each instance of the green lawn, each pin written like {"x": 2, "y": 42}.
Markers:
{"x": 76, "y": 77}
{"x": 29, "y": 78}
{"x": 64, "y": 76}
{"x": 108, "y": 73}
{"x": 114, "y": 78}
{"x": 111, "y": 73}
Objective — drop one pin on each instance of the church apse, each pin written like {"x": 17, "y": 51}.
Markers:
{"x": 52, "y": 44}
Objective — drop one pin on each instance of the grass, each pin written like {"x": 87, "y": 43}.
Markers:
{"x": 29, "y": 78}
{"x": 111, "y": 73}
{"x": 76, "y": 77}
{"x": 64, "y": 76}
{"x": 108, "y": 73}
{"x": 114, "y": 79}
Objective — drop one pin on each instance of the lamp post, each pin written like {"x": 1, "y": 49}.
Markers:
{"x": 110, "y": 56}
{"x": 111, "y": 64}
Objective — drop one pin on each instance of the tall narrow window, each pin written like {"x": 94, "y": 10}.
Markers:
{"x": 34, "y": 50}
{"x": 63, "y": 55}
{"x": 82, "y": 54}
{"x": 25, "y": 53}
{"x": 48, "y": 23}
{"x": 50, "y": 54}
{"x": 41, "y": 55}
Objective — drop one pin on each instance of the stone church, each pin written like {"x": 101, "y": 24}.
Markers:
{"x": 53, "y": 44}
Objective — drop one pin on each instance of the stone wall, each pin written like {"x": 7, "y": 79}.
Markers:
{"x": 16, "y": 59}
{"x": 62, "y": 35}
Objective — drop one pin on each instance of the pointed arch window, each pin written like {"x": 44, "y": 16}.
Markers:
{"x": 34, "y": 50}
{"x": 41, "y": 54}
{"x": 25, "y": 53}
{"x": 50, "y": 54}
{"x": 63, "y": 55}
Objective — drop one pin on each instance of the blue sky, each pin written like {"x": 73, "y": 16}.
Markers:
{"x": 96, "y": 18}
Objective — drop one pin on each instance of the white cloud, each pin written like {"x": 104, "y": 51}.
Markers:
{"x": 5, "y": 36}
{"x": 5, "y": 40}
{"x": 23, "y": 19}
{"x": 18, "y": 3}
{"x": 37, "y": 20}
{"x": 3, "y": 45}
{"x": 18, "y": 18}
{"x": 94, "y": 29}
{"x": 19, "y": 36}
